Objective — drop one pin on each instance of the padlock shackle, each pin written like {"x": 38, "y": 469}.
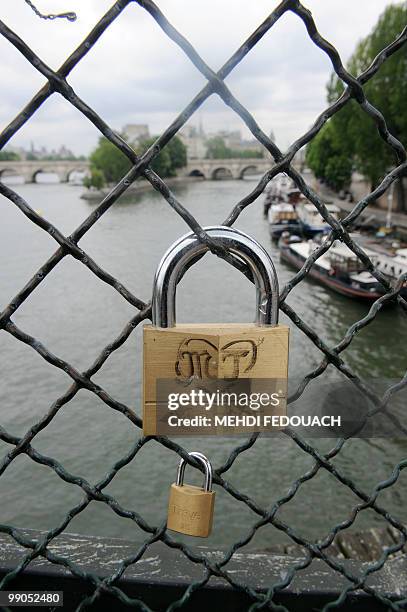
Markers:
{"x": 207, "y": 466}
{"x": 189, "y": 247}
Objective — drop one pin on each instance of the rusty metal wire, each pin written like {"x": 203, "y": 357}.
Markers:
{"x": 68, "y": 246}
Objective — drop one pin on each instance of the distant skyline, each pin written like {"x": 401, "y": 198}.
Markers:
{"x": 135, "y": 74}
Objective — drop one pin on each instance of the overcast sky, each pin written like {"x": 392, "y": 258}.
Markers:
{"x": 135, "y": 74}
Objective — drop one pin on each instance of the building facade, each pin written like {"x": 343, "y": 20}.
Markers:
{"x": 136, "y": 132}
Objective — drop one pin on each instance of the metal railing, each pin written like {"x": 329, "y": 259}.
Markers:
{"x": 68, "y": 246}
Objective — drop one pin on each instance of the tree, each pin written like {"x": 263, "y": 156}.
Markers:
{"x": 169, "y": 159}
{"x": 216, "y": 149}
{"x": 328, "y": 157}
{"x": 248, "y": 153}
{"x": 9, "y": 156}
{"x": 353, "y": 132}
{"x": 387, "y": 91}
{"x": 162, "y": 162}
{"x": 178, "y": 153}
{"x": 96, "y": 179}
{"x": 110, "y": 161}
{"x": 114, "y": 164}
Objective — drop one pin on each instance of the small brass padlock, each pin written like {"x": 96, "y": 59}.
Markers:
{"x": 190, "y": 508}
{"x": 256, "y": 353}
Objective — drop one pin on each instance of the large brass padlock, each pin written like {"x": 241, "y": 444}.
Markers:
{"x": 183, "y": 353}
{"x": 190, "y": 508}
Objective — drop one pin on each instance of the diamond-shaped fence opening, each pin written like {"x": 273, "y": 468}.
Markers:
{"x": 321, "y": 463}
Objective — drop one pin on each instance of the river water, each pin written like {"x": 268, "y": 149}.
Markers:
{"x": 76, "y": 315}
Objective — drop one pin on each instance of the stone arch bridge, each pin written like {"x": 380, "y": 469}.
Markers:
{"x": 207, "y": 168}
{"x": 29, "y": 169}
{"x": 228, "y": 168}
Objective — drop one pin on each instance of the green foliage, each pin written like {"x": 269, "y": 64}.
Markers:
{"x": 178, "y": 152}
{"x": 328, "y": 158}
{"x": 30, "y": 156}
{"x": 217, "y": 149}
{"x": 110, "y": 161}
{"x": 57, "y": 157}
{"x": 9, "y": 156}
{"x": 352, "y": 130}
{"x": 339, "y": 171}
{"x": 96, "y": 179}
{"x": 172, "y": 156}
{"x": 114, "y": 164}
{"x": 162, "y": 163}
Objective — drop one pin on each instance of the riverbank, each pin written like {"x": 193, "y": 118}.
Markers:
{"x": 398, "y": 220}
{"x": 139, "y": 186}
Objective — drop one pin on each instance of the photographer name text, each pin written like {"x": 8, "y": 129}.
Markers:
{"x": 251, "y": 420}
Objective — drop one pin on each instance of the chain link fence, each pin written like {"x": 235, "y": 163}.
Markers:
{"x": 68, "y": 246}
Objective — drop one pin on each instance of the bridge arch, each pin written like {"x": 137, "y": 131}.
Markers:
{"x": 45, "y": 170}
{"x": 8, "y": 172}
{"x": 35, "y": 174}
{"x": 68, "y": 174}
{"x": 16, "y": 176}
{"x": 197, "y": 172}
{"x": 250, "y": 168}
{"x": 221, "y": 172}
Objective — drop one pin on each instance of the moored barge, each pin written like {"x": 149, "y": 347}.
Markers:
{"x": 339, "y": 269}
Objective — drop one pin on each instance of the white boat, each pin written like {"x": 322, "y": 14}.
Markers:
{"x": 277, "y": 192}
{"x": 390, "y": 259}
{"x": 282, "y": 217}
{"x": 393, "y": 266}
{"x": 339, "y": 268}
{"x": 311, "y": 222}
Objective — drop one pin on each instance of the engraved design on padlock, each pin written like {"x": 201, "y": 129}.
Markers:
{"x": 197, "y": 358}
{"x": 190, "y": 508}
{"x": 190, "y": 353}
{"x": 243, "y": 354}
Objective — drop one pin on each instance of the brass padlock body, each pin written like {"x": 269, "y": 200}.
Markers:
{"x": 197, "y": 352}
{"x": 177, "y": 352}
{"x": 190, "y": 510}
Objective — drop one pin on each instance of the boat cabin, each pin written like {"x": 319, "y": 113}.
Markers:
{"x": 343, "y": 260}
{"x": 310, "y": 218}
{"x": 282, "y": 212}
